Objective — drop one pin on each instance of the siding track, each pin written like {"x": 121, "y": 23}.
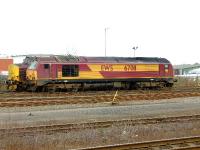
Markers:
{"x": 185, "y": 143}
{"x": 24, "y": 99}
{"x": 50, "y": 129}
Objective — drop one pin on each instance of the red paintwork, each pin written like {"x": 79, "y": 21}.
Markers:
{"x": 53, "y": 69}
{"x": 59, "y": 67}
{"x": 51, "y": 72}
{"x": 170, "y": 72}
{"x": 56, "y": 66}
{"x": 162, "y": 70}
{"x": 84, "y": 67}
{"x": 41, "y": 72}
{"x": 163, "y": 73}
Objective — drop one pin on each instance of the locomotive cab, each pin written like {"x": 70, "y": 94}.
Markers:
{"x": 31, "y": 72}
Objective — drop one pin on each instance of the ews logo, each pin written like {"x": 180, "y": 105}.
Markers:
{"x": 127, "y": 67}
{"x": 106, "y": 68}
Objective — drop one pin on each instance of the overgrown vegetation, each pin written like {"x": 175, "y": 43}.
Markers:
{"x": 98, "y": 137}
{"x": 187, "y": 81}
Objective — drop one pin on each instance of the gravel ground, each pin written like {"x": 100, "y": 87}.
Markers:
{"x": 105, "y": 111}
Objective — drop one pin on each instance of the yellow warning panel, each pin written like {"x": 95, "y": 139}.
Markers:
{"x": 13, "y": 72}
{"x": 31, "y": 74}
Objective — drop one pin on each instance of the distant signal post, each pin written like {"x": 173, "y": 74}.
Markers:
{"x": 135, "y": 48}
{"x": 106, "y": 39}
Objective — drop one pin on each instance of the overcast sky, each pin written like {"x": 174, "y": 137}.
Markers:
{"x": 160, "y": 28}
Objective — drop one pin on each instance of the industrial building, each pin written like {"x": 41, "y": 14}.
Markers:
{"x": 187, "y": 69}
{"x": 4, "y": 63}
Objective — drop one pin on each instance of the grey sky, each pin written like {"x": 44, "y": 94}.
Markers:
{"x": 160, "y": 28}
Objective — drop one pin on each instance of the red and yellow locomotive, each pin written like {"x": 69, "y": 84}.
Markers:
{"x": 70, "y": 72}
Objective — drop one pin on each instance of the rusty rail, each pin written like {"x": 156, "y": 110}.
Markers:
{"x": 59, "y": 100}
{"x": 92, "y": 125}
{"x": 185, "y": 143}
{"x": 40, "y": 99}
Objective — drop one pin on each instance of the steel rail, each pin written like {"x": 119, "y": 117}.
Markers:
{"x": 93, "y": 125}
{"x": 184, "y": 143}
{"x": 40, "y": 99}
{"x": 32, "y": 97}
{"x": 91, "y": 93}
{"x": 88, "y": 99}
{"x": 179, "y": 89}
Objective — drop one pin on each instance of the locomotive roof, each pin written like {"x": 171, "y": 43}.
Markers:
{"x": 83, "y": 59}
{"x": 128, "y": 59}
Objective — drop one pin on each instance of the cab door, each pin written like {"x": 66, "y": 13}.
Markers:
{"x": 162, "y": 70}
{"x": 165, "y": 70}
{"x": 45, "y": 71}
{"x": 53, "y": 71}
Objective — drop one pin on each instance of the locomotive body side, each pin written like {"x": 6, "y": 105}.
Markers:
{"x": 128, "y": 74}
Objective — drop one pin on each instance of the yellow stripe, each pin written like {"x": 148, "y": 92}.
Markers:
{"x": 94, "y": 67}
{"x": 90, "y": 75}
{"x": 118, "y": 67}
{"x": 84, "y": 75}
{"x": 152, "y": 67}
{"x": 124, "y": 67}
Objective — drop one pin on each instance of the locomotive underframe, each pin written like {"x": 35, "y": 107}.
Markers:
{"x": 133, "y": 83}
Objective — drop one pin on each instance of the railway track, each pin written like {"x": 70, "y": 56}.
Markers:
{"x": 48, "y": 129}
{"x": 30, "y": 94}
{"x": 14, "y": 99}
{"x": 22, "y": 101}
{"x": 185, "y": 143}
{"x": 174, "y": 89}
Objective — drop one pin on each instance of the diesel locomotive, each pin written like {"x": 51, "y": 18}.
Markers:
{"x": 53, "y": 72}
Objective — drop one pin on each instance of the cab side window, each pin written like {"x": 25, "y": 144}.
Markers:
{"x": 46, "y": 66}
{"x": 70, "y": 70}
{"x": 166, "y": 66}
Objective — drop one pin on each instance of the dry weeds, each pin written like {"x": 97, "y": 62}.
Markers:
{"x": 187, "y": 81}
{"x": 99, "y": 137}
